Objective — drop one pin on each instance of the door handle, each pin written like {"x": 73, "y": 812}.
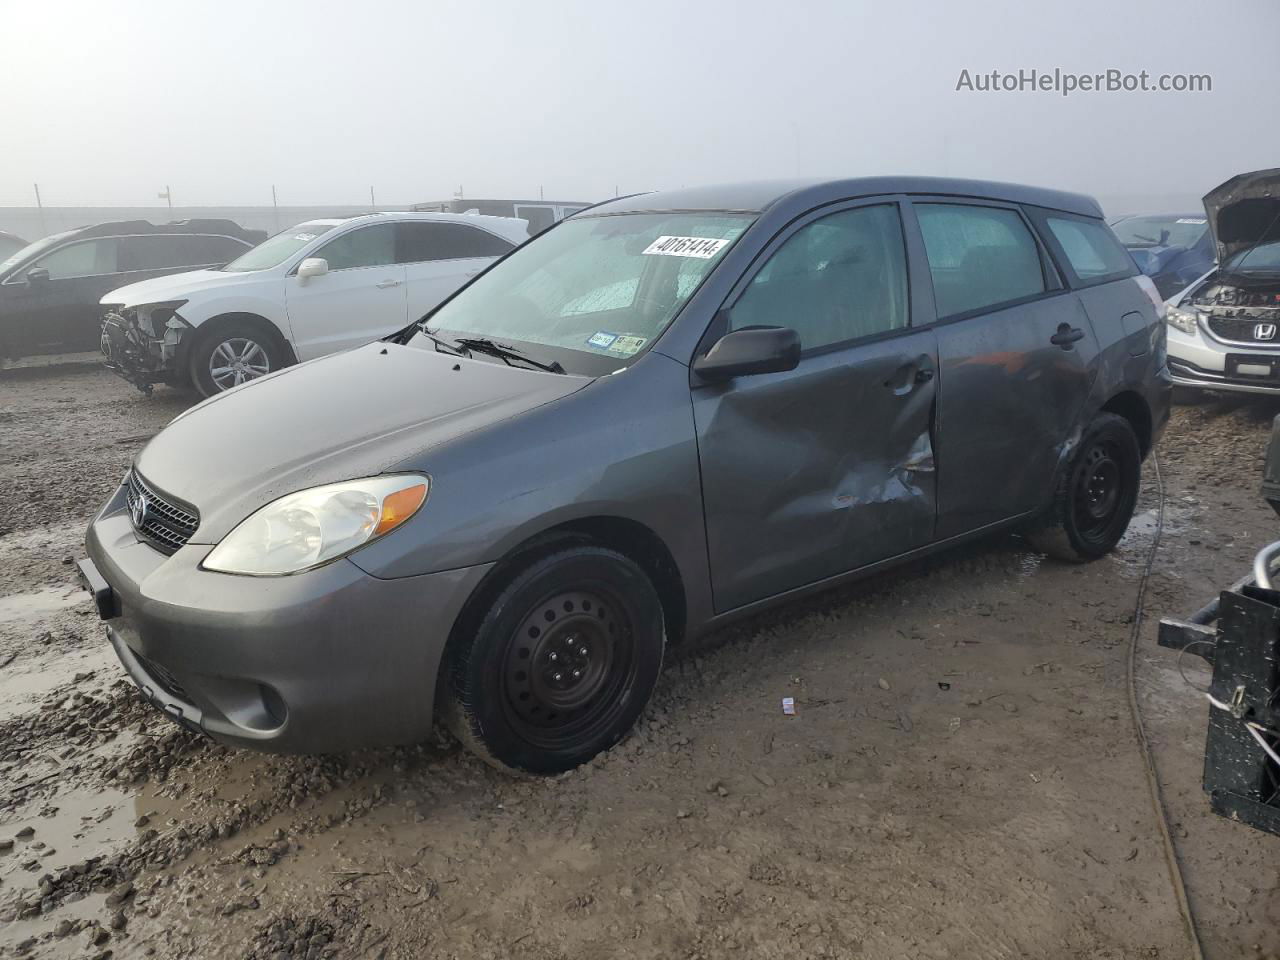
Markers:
{"x": 384, "y": 284}
{"x": 924, "y": 375}
{"x": 1066, "y": 336}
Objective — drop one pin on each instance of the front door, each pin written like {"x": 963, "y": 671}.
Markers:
{"x": 59, "y": 312}
{"x": 827, "y": 467}
{"x": 360, "y": 299}
{"x": 1015, "y": 352}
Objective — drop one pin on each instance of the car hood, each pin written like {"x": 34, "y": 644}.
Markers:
{"x": 176, "y": 286}
{"x": 345, "y": 416}
{"x": 1244, "y": 211}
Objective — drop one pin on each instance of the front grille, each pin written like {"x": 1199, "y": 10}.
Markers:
{"x": 1245, "y": 330}
{"x": 164, "y": 677}
{"x": 156, "y": 518}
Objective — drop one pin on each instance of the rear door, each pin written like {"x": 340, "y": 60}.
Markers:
{"x": 827, "y": 467}
{"x": 60, "y": 314}
{"x": 439, "y": 257}
{"x": 1016, "y": 354}
{"x": 360, "y": 299}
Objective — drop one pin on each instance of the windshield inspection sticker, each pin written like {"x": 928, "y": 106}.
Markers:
{"x": 704, "y": 248}
{"x": 626, "y": 346}
{"x": 602, "y": 339}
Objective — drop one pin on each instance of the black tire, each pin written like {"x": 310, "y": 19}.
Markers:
{"x": 1095, "y": 494}
{"x": 252, "y": 341}
{"x": 510, "y": 693}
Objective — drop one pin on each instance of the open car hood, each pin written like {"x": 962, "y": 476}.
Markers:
{"x": 1244, "y": 211}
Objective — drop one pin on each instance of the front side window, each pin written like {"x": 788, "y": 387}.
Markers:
{"x": 422, "y": 241}
{"x": 601, "y": 286}
{"x": 837, "y": 279}
{"x": 373, "y": 246}
{"x": 88, "y": 258}
{"x": 978, "y": 256}
{"x": 276, "y": 250}
{"x": 1091, "y": 249}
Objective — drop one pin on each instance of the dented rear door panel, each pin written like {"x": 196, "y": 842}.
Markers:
{"x": 819, "y": 470}
{"x": 1010, "y": 401}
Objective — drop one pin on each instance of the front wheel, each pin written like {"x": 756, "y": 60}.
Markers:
{"x": 232, "y": 354}
{"x": 1095, "y": 496}
{"x": 560, "y": 665}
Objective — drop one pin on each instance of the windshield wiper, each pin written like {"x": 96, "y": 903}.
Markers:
{"x": 456, "y": 349}
{"x": 506, "y": 352}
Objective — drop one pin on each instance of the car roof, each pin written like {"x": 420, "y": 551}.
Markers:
{"x": 762, "y": 195}
{"x": 512, "y": 228}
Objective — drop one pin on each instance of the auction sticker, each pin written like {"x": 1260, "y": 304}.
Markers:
{"x": 1191, "y": 220}
{"x": 704, "y": 248}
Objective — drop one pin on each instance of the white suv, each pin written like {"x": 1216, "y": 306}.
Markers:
{"x": 317, "y": 288}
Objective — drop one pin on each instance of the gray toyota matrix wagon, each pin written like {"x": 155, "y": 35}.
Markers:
{"x": 665, "y": 412}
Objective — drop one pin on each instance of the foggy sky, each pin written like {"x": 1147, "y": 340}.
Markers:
{"x": 108, "y": 102}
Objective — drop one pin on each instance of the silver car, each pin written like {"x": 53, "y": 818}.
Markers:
{"x": 1224, "y": 330}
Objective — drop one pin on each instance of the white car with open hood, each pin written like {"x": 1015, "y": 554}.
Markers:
{"x": 314, "y": 289}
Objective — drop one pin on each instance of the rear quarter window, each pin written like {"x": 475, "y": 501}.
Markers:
{"x": 1091, "y": 250}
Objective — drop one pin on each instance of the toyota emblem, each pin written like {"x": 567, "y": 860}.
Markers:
{"x": 138, "y": 510}
{"x": 1264, "y": 331}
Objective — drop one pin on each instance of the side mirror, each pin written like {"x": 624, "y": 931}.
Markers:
{"x": 37, "y": 275}
{"x": 313, "y": 267}
{"x": 750, "y": 350}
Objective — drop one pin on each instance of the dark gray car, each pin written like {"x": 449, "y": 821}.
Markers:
{"x": 668, "y": 411}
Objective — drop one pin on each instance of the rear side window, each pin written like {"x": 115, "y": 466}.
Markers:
{"x": 837, "y": 279}
{"x": 373, "y": 246}
{"x": 979, "y": 257}
{"x": 1092, "y": 251}
{"x": 423, "y": 241}
{"x": 539, "y": 218}
{"x": 88, "y": 258}
{"x": 166, "y": 252}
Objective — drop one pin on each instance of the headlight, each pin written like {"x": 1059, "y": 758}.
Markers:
{"x": 311, "y": 527}
{"x": 153, "y": 316}
{"x": 1181, "y": 318}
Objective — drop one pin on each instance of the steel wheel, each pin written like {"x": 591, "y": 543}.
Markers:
{"x": 565, "y": 665}
{"x": 1098, "y": 488}
{"x": 563, "y": 657}
{"x": 237, "y": 360}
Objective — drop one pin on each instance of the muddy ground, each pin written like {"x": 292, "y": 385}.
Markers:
{"x": 961, "y": 779}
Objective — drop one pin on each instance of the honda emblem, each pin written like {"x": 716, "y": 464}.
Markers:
{"x": 1264, "y": 331}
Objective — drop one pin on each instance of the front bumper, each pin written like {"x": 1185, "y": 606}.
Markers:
{"x": 323, "y": 661}
{"x": 1200, "y": 361}
{"x": 136, "y": 355}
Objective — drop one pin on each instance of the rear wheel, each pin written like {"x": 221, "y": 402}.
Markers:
{"x": 1096, "y": 494}
{"x": 233, "y": 353}
{"x": 561, "y": 663}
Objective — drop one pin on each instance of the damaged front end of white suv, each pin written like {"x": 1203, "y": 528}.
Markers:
{"x": 143, "y": 343}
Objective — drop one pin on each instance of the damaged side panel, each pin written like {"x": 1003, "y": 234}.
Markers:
{"x": 819, "y": 470}
{"x": 141, "y": 353}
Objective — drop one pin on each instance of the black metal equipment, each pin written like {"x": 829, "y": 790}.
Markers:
{"x": 1238, "y": 634}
